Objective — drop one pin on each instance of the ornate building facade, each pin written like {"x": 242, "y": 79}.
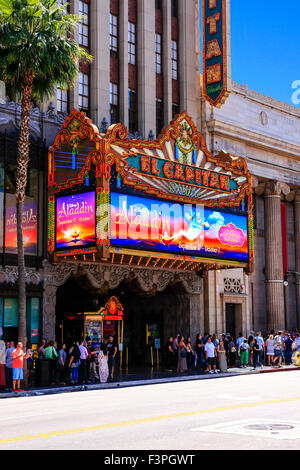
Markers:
{"x": 266, "y": 133}
{"x": 146, "y": 69}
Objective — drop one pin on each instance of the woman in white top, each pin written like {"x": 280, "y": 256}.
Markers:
{"x": 270, "y": 349}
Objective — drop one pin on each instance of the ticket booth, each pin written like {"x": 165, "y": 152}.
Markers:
{"x": 108, "y": 321}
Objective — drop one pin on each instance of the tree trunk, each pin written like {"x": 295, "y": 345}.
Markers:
{"x": 21, "y": 182}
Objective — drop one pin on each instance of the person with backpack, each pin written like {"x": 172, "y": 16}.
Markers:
{"x": 244, "y": 353}
{"x": 231, "y": 353}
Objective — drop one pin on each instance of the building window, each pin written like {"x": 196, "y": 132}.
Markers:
{"x": 132, "y": 111}
{"x": 159, "y": 116}
{"x": 131, "y": 43}
{"x": 174, "y": 8}
{"x": 175, "y": 110}
{"x": 174, "y": 60}
{"x": 158, "y": 53}
{"x": 83, "y": 92}
{"x": 9, "y": 318}
{"x": 62, "y": 101}
{"x": 83, "y": 36}
{"x": 158, "y": 4}
{"x": 113, "y": 103}
{"x": 113, "y": 34}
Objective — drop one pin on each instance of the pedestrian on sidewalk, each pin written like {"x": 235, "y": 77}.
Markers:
{"x": 297, "y": 341}
{"x": 221, "y": 352}
{"x": 239, "y": 341}
{"x": 261, "y": 345}
{"x": 170, "y": 355}
{"x": 92, "y": 361}
{"x": 51, "y": 355}
{"x": 74, "y": 363}
{"x": 278, "y": 349}
{"x": 9, "y": 366}
{"x": 244, "y": 353}
{"x": 103, "y": 364}
{"x": 190, "y": 355}
{"x": 288, "y": 350}
{"x": 256, "y": 354}
{"x": 251, "y": 342}
{"x": 182, "y": 355}
{"x": 269, "y": 345}
{"x": 18, "y": 357}
{"x": 2, "y": 363}
{"x": 112, "y": 350}
{"x": 199, "y": 348}
{"x": 61, "y": 366}
{"x": 231, "y": 353}
{"x": 83, "y": 363}
{"x": 211, "y": 356}
{"x": 41, "y": 349}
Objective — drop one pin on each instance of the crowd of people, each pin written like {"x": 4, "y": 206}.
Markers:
{"x": 66, "y": 365}
{"x": 213, "y": 354}
{"x": 82, "y": 363}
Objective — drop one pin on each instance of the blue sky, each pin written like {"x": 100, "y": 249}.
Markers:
{"x": 265, "y": 46}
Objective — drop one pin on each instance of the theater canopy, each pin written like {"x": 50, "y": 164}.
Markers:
{"x": 166, "y": 203}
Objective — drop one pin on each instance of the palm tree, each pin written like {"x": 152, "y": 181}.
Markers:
{"x": 37, "y": 53}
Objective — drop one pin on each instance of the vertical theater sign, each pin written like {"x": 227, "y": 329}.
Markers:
{"x": 166, "y": 203}
{"x": 151, "y": 214}
{"x": 216, "y": 51}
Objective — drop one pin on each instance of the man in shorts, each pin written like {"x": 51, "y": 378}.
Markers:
{"x": 18, "y": 357}
{"x": 211, "y": 356}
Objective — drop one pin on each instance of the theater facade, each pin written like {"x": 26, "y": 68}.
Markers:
{"x": 141, "y": 222}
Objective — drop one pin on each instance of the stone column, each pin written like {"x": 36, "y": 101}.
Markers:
{"x": 146, "y": 67}
{"x": 195, "y": 315}
{"x": 273, "y": 255}
{"x": 123, "y": 62}
{"x": 49, "y": 312}
{"x": 297, "y": 251}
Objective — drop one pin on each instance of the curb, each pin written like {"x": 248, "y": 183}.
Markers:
{"x": 137, "y": 383}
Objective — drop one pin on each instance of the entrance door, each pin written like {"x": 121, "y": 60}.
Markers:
{"x": 230, "y": 319}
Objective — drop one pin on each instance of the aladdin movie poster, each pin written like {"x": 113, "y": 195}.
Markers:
{"x": 29, "y": 224}
{"x": 75, "y": 221}
{"x": 150, "y": 224}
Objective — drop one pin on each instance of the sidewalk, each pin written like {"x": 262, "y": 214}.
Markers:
{"x": 144, "y": 377}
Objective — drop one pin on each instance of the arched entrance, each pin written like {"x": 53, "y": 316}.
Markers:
{"x": 154, "y": 300}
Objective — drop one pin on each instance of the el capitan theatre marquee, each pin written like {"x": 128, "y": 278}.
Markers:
{"x": 166, "y": 203}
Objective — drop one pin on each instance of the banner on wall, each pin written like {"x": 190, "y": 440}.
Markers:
{"x": 216, "y": 51}
{"x": 148, "y": 224}
{"x": 29, "y": 224}
{"x": 75, "y": 220}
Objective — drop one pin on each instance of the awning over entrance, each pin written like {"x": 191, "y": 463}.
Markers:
{"x": 165, "y": 204}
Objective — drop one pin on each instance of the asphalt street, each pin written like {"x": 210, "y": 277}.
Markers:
{"x": 243, "y": 412}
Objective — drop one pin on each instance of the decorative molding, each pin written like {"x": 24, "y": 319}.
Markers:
{"x": 10, "y": 275}
{"x": 112, "y": 276}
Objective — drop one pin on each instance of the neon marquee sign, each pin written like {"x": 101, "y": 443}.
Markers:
{"x": 178, "y": 172}
{"x": 138, "y": 222}
{"x": 75, "y": 220}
